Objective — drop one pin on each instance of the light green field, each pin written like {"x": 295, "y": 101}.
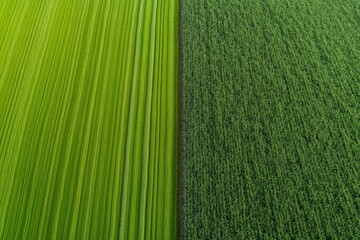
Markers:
{"x": 88, "y": 119}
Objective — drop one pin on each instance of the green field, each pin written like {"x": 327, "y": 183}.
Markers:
{"x": 271, "y": 119}
{"x": 240, "y": 121}
{"x": 88, "y": 119}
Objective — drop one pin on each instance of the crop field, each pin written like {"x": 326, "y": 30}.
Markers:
{"x": 88, "y": 119}
{"x": 179, "y": 119}
{"x": 271, "y": 119}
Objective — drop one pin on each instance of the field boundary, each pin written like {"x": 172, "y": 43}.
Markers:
{"x": 180, "y": 107}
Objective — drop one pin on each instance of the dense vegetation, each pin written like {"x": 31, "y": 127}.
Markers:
{"x": 271, "y": 119}
{"x": 270, "y": 142}
{"x": 88, "y": 119}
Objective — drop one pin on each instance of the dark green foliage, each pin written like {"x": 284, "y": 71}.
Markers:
{"x": 271, "y": 119}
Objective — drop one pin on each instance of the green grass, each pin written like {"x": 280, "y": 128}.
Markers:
{"x": 271, "y": 119}
{"x": 88, "y": 119}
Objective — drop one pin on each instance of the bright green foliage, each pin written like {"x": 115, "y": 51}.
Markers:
{"x": 271, "y": 127}
{"x": 88, "y": 119}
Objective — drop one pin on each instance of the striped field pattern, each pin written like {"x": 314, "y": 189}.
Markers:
{"x": 88, "y": 119}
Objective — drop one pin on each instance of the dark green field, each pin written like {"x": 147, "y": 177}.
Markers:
{"x": 271, "y": 119}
